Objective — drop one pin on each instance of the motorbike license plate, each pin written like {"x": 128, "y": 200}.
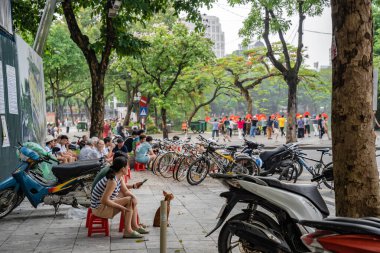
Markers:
{"x": 221, "y": 211}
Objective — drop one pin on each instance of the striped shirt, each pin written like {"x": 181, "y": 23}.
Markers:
{"x": 98, "y": 191}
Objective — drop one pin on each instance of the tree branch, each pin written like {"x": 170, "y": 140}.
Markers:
{"x": 179, "y": 70}
{"x": 270, "y": 54}
{"x": 110, "y": 38}
{"x": 283, "y": 42}
{"x": 300, "y": 35}
{"x": 259, "y": 80}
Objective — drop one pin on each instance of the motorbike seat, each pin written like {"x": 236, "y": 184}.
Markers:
{"x": 308, "y": 191}
{"x": 324, "y": 150}
{"x": 343, "y": 227}
{"x": 233, "y": 147}
{"x": 67, "y": 171}
{"x": 267, "y": 154}
{"x": 356, "y": 221}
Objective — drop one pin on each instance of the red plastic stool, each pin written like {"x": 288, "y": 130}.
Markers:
{"x": 122, "y": 224}
{"x": 93, "y": 225}
{"x": 139, "y": 166}
{"x": 89, "y": 212}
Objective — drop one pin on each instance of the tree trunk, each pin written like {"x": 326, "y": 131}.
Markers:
{"x": 129, "y": 112}
{"x": 248, "y": 99}
{"x": 156, "y": 117}
{"x": 165, "y": 133}
{"x": 71, "y": 112}
{"x": 292, "y": 111}
{"x": 97, "y": 105}
{"x": 57, "y": 111}
{"x": 356, "y": 177}
{"x": 192, "y": 114}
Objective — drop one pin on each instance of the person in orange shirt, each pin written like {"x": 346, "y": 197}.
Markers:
{"x": 184, "y": 127}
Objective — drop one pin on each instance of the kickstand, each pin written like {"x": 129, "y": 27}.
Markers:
{"x": 56, "y": 207}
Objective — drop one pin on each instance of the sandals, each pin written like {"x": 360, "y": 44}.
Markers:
{"x": 142, "y": 230}
{"x": 134, "y": 234}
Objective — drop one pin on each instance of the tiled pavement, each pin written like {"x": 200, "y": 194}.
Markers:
{"x": 193, "y": 213}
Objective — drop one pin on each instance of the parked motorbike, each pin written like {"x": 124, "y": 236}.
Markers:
{"x": 343, "y": 235}
{"x": 270, "y": 222}
{"x": 273, "y": 161}
{"x": 72, "y": 187}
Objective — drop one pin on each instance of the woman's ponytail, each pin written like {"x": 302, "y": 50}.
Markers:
{"x": 111, "y": 173}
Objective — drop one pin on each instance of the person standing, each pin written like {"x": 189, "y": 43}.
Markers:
{"x": 215, "y": 128}
{"x": 240, "y": 126}
{"x": 254, "y": 122}
{"x": 269, "y": 127}
{"x": 320, "y": 126}
{"x": 281, "y": 124}
{"x": 106, "y": 129}
{"x": 247, "y": 126}
{"x": 66, "y": 123}
{"x": 314, "y": 122}
{"x": 301, "y": 127}
{"x": 326, "y": 127}
{"x": 307, "y": 125}
{"x": 264, "y": 125}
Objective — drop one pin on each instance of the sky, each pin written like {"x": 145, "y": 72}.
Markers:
{"x": 317, "y": 31}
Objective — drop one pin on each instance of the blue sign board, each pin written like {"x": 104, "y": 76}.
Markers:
{"x": 143, "y": 111}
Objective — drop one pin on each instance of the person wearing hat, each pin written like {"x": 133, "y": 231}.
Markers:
{"x": 120, "y": 146}
{"x": 50, "y": 143}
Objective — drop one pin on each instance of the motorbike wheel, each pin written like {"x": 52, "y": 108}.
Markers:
{"x": 8, "y": 201}
{"x": 246, "y": 166}
{"x": 197, "y": 172}
{"x": 229, "y": 243}
{"x": 328, "y": 184}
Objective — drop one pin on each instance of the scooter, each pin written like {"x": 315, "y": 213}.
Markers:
{"x": 343, "y": 235}
{"x": 270, "y": 222}
{"x": 72, "y": 187}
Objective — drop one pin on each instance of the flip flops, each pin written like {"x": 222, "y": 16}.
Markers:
{"x": 142, "y": 230}
{"x": 134, "y": 234}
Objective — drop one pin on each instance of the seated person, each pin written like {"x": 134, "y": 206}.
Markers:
{"x": 120, "y": 146}
{"x": 129, "y": 142}
{"x": 63, "y": 141}
{"x": 136, "y": 140}
{"x": 50, "y": 144}
{"x": 144, "y": 152}
{"x": 88, "y": 152}
{"x": 111, "y": 196}
{"x": 108, "y": 146}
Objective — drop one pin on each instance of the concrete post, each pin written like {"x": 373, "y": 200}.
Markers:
{"x": 163, "y": 226}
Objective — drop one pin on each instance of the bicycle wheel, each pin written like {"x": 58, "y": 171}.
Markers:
{"x": 156, "y": 162}
{"x": 245, "y": 166}
{"x": 167, "y": 164}
{"x": 183, "y": 167}
{"x": 289, "y": 173}
{"x": 198, "y": 171}
{"x": 329, "y": 182}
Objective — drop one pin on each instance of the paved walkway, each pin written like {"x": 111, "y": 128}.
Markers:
{"x": 193, "y": 213}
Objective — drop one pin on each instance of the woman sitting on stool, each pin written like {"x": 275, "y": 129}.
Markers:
{"x": 105, "y": 202}
{"x": 144, "y": 152}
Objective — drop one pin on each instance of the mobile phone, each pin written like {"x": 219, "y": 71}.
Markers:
{"x": 144, "y": 181}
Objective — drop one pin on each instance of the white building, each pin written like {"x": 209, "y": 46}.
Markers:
{"x": 214, "y": 32}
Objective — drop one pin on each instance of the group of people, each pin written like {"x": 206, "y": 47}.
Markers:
{"x": 95, "y": 148}
{"x": 271, "y": 126}
{"x": 249, "y": 127}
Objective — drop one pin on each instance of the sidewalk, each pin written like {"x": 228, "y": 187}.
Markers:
{"x": 193, "y": 214}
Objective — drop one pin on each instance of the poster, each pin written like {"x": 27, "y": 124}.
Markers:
{"x": 12, "y": 90}
{"x": 5, "y": 135}
{"x": 32, "y": 95}
{"x": 2, "y": 98}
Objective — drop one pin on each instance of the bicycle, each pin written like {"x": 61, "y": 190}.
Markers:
{"x": 222, "y": 163}
{"x": 317, "y": 170}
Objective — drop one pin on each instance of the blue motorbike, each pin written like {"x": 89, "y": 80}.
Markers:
{"x": 71, "y": 187}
